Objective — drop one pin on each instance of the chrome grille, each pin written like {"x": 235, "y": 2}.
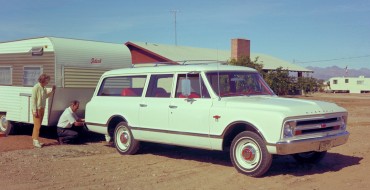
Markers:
{"x": 317, "y": 126}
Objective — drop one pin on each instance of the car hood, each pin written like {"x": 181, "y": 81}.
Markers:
{"x": 287, "y": 106}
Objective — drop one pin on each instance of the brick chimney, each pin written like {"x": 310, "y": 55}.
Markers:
{"x": 240, "y": 48}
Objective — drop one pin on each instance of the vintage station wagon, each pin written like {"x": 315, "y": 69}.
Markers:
{"x": 213, "y": 106}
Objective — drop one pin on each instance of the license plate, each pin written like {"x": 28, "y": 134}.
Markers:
{"x": 325, "y": 145}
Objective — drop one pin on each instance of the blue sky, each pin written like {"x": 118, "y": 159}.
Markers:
{"x": 307, "y": 32}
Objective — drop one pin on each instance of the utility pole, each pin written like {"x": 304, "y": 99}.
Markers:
{"x": 174, "y": 13}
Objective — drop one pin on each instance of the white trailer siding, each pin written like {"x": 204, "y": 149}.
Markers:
{"x": 350, "y": 84}
{"x": 15, "y": 101}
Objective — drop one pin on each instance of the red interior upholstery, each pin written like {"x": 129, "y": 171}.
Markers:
{"x": 131, "y": 92}
{"x": 181, "y": 96}
{"x": 160, "y": 92}
{"x": 192, "y": 95}
{"x": 128, "y": 92}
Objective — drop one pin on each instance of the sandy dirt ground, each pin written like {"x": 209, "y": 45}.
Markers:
{"x": 97, "y": 165}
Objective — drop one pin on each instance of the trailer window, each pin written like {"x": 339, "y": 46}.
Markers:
{"x": 31, "y": 75}
{"x": 123, "y": 86}
{"x": 360, "y": 82}
{"x": 6, "y": 75}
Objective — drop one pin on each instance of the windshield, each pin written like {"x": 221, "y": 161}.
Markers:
{"x": 238, "y": 83}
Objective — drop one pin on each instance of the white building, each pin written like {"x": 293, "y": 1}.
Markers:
{"x": 350, "y": 84}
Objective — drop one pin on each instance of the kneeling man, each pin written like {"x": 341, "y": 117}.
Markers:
{"x": 69, "y": 124}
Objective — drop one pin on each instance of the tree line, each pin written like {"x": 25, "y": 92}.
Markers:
{"x": 279, "y": 80}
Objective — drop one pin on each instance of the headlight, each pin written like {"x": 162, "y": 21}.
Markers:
{"x": 288, "y": 130}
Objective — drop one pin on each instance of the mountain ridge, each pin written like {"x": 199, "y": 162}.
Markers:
{"x": 325, "y": 73}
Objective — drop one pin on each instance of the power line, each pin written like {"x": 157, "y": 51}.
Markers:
{"x": 326, "y": 60}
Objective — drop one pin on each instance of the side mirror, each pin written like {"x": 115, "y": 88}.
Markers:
{"x": 185, "y": 87}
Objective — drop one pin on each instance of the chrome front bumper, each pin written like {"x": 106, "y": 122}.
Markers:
{"x": 314, "y": 144}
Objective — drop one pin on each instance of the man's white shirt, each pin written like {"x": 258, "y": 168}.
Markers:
{"x": 67, "y": 118}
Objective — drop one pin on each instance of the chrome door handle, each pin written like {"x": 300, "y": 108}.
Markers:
{"x": 143, "y": 105}
{"x": 172, "y": 106}
{"x": 191, "y": 100}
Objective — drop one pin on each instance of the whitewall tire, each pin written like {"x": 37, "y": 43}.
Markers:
{"x": 249, "y": 154}
{"x": 124, "y": 141}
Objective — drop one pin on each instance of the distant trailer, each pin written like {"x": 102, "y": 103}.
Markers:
{"x": 75, "y": 67}
{"x": 349, "y": 85}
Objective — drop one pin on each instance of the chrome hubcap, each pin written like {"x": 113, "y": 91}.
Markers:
{"x": 248, "y": 153}
{"x": 124, "y": 138}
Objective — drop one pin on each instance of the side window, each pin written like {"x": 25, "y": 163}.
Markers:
{"x": 6, "y": 75}
{"x": 160, "y": 86}
{"x": 31, "y": 75}
{"x": 335, "y": 81}
{"x": 123, "y": 86}
{"x": 198, "y": 89}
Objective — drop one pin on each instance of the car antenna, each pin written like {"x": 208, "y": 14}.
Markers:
{"x": 218, "y": 83}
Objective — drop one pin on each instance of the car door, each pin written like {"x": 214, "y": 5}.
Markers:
{"x": 189, "y": 115}
{"x": 153, "y": 113}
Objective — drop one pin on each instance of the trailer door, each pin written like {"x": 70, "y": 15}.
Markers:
{"x": 25, "y": 108}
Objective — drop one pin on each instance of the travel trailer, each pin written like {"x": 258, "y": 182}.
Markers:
{"x": 349, "y": 84}
{"x": 75, "y": 67}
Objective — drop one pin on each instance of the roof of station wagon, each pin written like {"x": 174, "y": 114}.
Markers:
{"x": 178, "y": 68}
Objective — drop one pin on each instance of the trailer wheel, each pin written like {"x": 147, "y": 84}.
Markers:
{"x": 249, "y": 154}
{"x": 124, "y": 141}
{"x": 5, "y": 125}
{"x": 309, "y": 157}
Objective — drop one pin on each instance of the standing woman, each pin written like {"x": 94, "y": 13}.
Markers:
{"x": 38, "y": 101}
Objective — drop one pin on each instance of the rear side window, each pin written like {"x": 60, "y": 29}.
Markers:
{"x": 131, "y": 86}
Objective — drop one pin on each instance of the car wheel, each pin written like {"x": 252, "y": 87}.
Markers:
{"x": 5, "y": 125}
{"x": 124, "y": 141}
{"x": 249, "y": 154}
{"x": 309, "y": 157}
